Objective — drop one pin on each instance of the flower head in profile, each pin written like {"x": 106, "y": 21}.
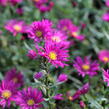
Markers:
{"x": 7, "y": 93}
{"x": 65, "y": 25}
{"x": 58, "y": 97}
{"x": 29, "y": 98}
{"x": 86, "y": 66}
{"x": 16, "y": 26}
{"x": 104, "y": 56}
{"x": 32, "y": 54}
{"x": 105, "y": 16}
{"x": 55, "y": 53}
{"x": 38, "y": 75}
{"x": 82, "y": 104}
{"x": 62, "y": 77}
{"x": 39, "y": 30}
{"x": 16, "y": 77}
{"x": 83, "y": 90}
{"x": 75, "y": 33}
{"x": 106, "y": 76}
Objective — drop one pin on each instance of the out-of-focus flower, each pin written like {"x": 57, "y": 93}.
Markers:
{"x": 16, "y": 26}
{"x": 3, "y": 2}
{"x": 106, "y": 76}
{"x": 82, "y": 104}
{"x": 44, "y": 5}
{"x": 38, "y": 75}
{"x": 32, "y": 54}
{"x": 58, "y": 97}
{"x": 75, "y": 33}
{"x": 104, "y": 56}
{"x": 65, "y": 25}
{"x": 16, "y": 77}
{"x": 19, "y": 11}
{"x": 74, "y": 3}
{"x": 7, "y": 93}
{"x": 76, "y": 95}
{"x": 83, "y": 25}
{"x": 86, "y": 66}
{"x": 84, "y": 89}
{"x": 62, "y": 78}
{"x": 55, "y": 53}
{"x": 29, "y": 98}
{"x": 40, "y": 30}
{"x": 107, "y": 3}
{"x": 105, "y": 17}
{"x": 59, "y": 38}
{"x": 14, "y": 2}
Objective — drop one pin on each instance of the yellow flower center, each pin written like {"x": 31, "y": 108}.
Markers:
{"x": 70, "y": 98}
{"x": 86, "y": 67}
{"x": 74, "y": 34}
{"x": 56, "y": 39}
{"x": 52, "y": 55}
{"x": 15, "y": 80}
{"x": 106, "y": 59}
{"x": 6, "y": 94}
{"x": 30, "y": 102}
{"x": 17, "y": 28}
{"x": 38, "y": 33}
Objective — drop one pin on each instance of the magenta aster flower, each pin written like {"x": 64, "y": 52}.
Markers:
{"x": 29, "y": 98}
{"x": 105, "y": 17}
{"x": 59, "y": 38}
{"x": 16, "y": 26}
{"x": 107, "y": 3}
{"x": 82, "y": 104}
{"x": 19, "y": 11}
{"x": 55, "y": 53}
{"x": 16, "y": 77}
{"x": 81, "y": 91}
{"x": 7, "y": 93}
{"x": 65, "y": 25}
{"x": 75, "y": 33}
{"x": 39, "y": 30}
{"x": 104, "y": 56}
{"x": 84, "y": 89}
{"x": 38, "y": 75}
{"x": 32, "y": 54}
{"x": 86, "y": 66}
{"x": 62, "y": 78}
{"x": 3, "y": 2}
{"x": 58, "y": 97}
{"x": 106, "y": 76}
{"x": 44, "y": 5}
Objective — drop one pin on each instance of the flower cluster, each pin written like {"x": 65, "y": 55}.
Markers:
{"x": 26, "y": 98}
{"x": 55, "y": 42}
